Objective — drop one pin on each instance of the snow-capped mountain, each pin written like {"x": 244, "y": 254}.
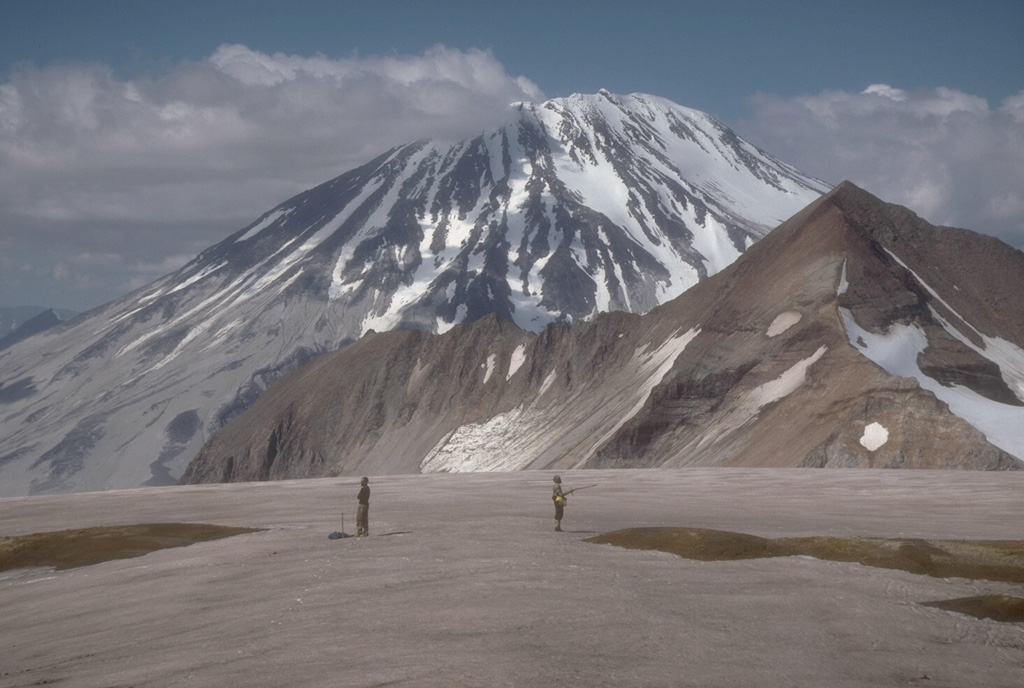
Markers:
{"x": 854, "y": 335}
{"x": 574, "y": 207}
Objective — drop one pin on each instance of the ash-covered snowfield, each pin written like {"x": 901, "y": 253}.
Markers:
{"x": 464, "y": 583}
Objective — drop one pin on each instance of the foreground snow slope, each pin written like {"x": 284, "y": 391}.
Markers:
{"x": 463, "y": 577}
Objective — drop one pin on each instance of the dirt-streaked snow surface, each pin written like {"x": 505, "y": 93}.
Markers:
{"x": 464, "y": 583}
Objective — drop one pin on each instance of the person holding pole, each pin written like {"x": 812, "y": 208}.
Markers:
{"x": 559, "y": 498}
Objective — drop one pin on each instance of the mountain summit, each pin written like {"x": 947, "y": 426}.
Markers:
{"x": 574, "y": 207}
{"x": 853, "y": 335}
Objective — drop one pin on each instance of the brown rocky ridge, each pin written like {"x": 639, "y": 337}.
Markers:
{"x": 765, "y": 364}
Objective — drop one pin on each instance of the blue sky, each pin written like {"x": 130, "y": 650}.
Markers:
{"x": 135, "y": 134}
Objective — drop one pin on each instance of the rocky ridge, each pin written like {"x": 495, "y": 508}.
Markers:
{"x": 854, "y": 335}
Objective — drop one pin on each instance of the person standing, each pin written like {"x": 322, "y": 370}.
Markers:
{"x": 559, "y": 498}
{"x": 363, "y": 510}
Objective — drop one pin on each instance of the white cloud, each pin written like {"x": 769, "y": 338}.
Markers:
{"x": 888, "y": 91}
{"x": 76, "y": 142}
{"x": 945, "y": 154}
{"x": 171, "y": 164}
{"x": 1014, "y": 107}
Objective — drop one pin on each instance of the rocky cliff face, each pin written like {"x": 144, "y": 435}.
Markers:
{"x": 853, "y": 335}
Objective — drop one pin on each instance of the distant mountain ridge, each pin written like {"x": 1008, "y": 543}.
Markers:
{"x": 574, "y": 207}
{"x": 854, "y": 335}
{"x": 14, "y": 318}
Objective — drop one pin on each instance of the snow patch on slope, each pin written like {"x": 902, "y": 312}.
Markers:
{"x": 750, "y": 404}
{"x": 511, "y": 441}
{"x": 488, "y": 446}
{"x": 488, "y": 367}
{"x": 896, "y": 352}
{"x": 516, "y": 361}
{"x": 1008, "y": 356}
{"x": 783, "y": 321}
{"x": 875, "y": 435}
{"x": 270, "y": 219}
{"x": 653, "y": 366}
{"x": 782, "y": 386}
{"x": 844, "y": 283}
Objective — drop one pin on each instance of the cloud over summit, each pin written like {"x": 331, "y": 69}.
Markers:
{"x": 75, "y": 140}
{"x": 944, "y": 153}
{"x": 147, "y": 167}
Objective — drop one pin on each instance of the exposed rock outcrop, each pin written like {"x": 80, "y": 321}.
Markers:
{"x": 854, "y": 335}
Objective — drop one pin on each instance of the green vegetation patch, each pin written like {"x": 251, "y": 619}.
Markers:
{"x": 995, "y": 560}
{"x": 67, "y": 549}
{"x": 996, "y": 607}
